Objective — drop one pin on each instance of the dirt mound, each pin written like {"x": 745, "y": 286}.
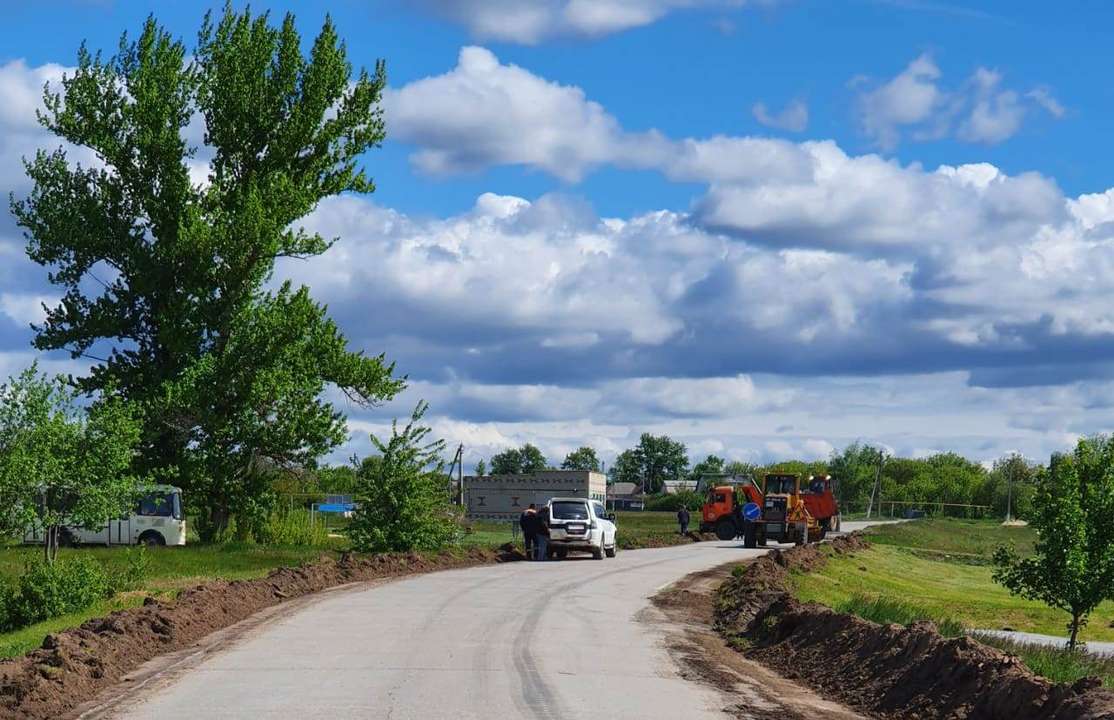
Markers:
{"x": 889, "y": 670}
{"x": 72, "y": 666}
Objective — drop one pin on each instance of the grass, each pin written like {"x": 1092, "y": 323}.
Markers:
{"x": 1055, "y": 663}
{"x": 940, "y": 570}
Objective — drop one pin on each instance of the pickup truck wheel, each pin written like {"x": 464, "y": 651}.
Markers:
{"x": 610, "y": 552}
{"x": 597, "y": 552}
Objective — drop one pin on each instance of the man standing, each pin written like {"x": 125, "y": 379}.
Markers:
{"x": 528, "y": 521}
{"x": 683, "y": 519}
{"x": 541, "y": 540}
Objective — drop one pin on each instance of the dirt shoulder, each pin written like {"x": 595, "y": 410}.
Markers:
{"x": 72, "y": 667}
{"x": 887, "y": 671}
{"x": 750, "y": 690}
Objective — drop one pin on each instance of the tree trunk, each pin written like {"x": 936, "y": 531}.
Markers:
{"x": 1074, "y": 631}
{"x": 216, "y": 522}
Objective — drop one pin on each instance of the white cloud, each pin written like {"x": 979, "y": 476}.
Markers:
{"x": 914, "y": 102}
{"x": 793, "y": 117}
{"x": 532, "y": 21}
{"x": 25, "y": 309}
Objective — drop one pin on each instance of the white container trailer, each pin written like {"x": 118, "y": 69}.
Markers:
{"x": 504, "y": 497}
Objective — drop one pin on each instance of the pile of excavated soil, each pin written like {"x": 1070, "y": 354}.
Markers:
{"x": 888, "y": 670}
{"x": 73, "y": 666}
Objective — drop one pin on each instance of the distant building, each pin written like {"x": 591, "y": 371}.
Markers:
{"x": 672, "y": 487}
{"x": 504, "y": 497}
{"x": 624, "y": 496}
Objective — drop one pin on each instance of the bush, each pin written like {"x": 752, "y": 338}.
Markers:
{"x": 672, "y": 503}
{"x": 134, "y": 571}
{"x": 45, "y": 591}
{"x": 291, "y": 527}
{"x": 886, "y": 610}
{"x": 1058, "y": 664}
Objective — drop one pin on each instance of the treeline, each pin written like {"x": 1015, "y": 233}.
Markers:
{"x": 940, "y": 483}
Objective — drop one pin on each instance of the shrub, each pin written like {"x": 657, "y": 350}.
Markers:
{"x": 291, "y": 527}
{"x": 672, "y": 503}
{"x": 134, "y": 571}
{"x": 886, "y": 610}
{"x": 45, "y": 591}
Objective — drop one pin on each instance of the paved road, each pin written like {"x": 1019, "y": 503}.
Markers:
{"x": 1105, "y": 649}
{"x": 572, "y": 639}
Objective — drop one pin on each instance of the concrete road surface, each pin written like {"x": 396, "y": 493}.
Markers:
{"x": 571, "y": 639}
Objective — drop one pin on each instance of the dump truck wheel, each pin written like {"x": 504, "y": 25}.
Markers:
{"x": 725, "y": 530}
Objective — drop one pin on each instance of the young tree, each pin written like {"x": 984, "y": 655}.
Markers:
{"x": 583, "y": 458}
{"x": 172, "y": 274}
{"x": 1072, "y": 567}
{"x": 627, "y": 468}
{"x": 532, "y": 459}
{"x": 62, "y": 464}
{"x": 481, "y": 468}
{"x": 400, "y": 496}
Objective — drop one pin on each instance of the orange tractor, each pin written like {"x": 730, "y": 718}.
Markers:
{"x": 781, "y": 510}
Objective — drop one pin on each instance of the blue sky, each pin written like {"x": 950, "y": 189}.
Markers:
{"x": 769, "y": 227}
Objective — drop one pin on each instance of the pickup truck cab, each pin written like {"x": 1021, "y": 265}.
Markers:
{"x": 579, "y": 524}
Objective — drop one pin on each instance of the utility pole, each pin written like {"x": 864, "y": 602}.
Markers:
{"x": 876, "y": 489}
{"x": 1009, "y": 491}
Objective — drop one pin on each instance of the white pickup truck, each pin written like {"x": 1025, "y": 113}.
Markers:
{"x": 578, "y": 524}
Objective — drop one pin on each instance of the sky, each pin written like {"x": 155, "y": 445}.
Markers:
{"x": 768, "y": 228}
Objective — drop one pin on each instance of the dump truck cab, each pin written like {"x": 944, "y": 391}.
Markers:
{"x": 721, "y": 512}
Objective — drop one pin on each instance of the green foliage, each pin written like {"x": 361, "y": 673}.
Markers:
{"x": 738, "y": 468}
{"x": 481, "y": 468}
{"x": 672, "y": 503}
{"x": 402, "y": 501}
{"x": 711, "y": 465}
{"x": 291, "y": 527}
{"x": 134, "y": 570}
{"x": 61, "y": 463}
{"x": 583, "y": 458}
{"x": 1073, "y": 565}
{"x": 229, "y": 376}
{"x": 655, "y": 460}
{"x": 1058, "y": 664}
{"x": 1012, "y": 482}
{"x": 517, "y": 461}
{"x": 884, "y": 610}
{"x": 47, "y": 590}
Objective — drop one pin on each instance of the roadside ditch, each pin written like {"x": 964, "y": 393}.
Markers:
{"x": 887, "y": 671}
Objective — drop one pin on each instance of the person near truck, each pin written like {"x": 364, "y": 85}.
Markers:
{"x": 528, "y": 521}
{"x": 541, "y": 539}
{"x": 683, "y": 519}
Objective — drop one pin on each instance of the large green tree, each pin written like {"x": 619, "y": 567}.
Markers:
{"x": 516, "y": 461}
{"x": 166, "y": 276}
{"x": 583, "y": 458}
{"x": 62, "y": 463}
{"x": 1072, "y": 567}
{"x": 656, "y": 459}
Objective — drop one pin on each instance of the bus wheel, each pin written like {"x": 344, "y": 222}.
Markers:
{"x": 152, "y": 539}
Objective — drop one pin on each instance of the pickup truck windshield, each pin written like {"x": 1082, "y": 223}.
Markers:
{"x": 569, "y": 511}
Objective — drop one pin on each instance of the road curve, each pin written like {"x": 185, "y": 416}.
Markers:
{"x": 572, "y": 639}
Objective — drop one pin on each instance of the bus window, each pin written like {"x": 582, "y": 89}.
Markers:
{"x": 157, "y": 505}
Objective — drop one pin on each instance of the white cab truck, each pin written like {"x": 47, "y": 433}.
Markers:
{"x": 156, "y": 520}
{"x": 580, "y": 525}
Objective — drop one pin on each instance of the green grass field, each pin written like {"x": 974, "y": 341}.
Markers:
{"x": 942, "y": 568}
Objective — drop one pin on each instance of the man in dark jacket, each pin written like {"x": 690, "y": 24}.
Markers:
{"x": 541, "y": 540}
{"x": 683, "y": 519}
{"x": 528, "y": 521}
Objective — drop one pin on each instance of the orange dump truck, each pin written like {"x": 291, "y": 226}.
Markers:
{"x": 781, "y": 510}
